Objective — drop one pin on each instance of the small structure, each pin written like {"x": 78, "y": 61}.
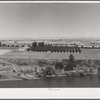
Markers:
{"x": 22, "y": 49}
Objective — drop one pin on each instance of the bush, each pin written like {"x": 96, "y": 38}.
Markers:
{"x": 59, "y": 65}
{"x": 49, "y": 71}
{"x": 42, "y": 63}
{"x": 69, "y": 66}
{"x": 28, "y": 49}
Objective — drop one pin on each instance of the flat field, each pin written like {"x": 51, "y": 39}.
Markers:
{"x": 8, "y": 48}
{"x": 93, "y": 54}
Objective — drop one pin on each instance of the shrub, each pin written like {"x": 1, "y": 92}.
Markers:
{"x": 42, "y": 62}
{"x": 49, "y": 71}
{"x": 28, "y": 49}
{"x": 59, "y": 65}
{"x": 69, "y": 66}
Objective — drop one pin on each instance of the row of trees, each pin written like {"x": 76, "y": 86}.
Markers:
{"x": 49, "y": 47}
{"x": 12, "y": 45}
{"x": 92, "y": 47}
{"x": 7, "y": 45}
{"x": 40, "y": 44}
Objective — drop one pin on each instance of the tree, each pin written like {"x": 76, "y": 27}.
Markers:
{"x": 98, "y": 71}
{"x": 0, "y": 43}
{"x": 29, "y": 45}
{"x": 34, "y": 44}
{"x": 8, "y": 45}
{"x": 82, "y": 46}
{"x": 17, "y": 46}
{"x": 71, "y": 58}
{"x": 41, "y": 44}
{"x": 4, "y": 45}
{"x": 12, "y": 45}
{"x": 73, "y": 50}
{"x": 70, "y": 50}
{"x": 67, "y": 50}
{"x": 71, "y": 63}
{"x": 93, "y": 47}
{"x": 79, "y": 50}
{"x": 49, "y": 70}
{"x": 69, "y": 66}
{"x": 22, "y": 45}
{"x": 59, "y": 65}
{"x": 28, "y": 49}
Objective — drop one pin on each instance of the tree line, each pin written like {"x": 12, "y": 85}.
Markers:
{"x": 12, "y": 45}
{"x": 41, "y": 47}
{"x": 91, "y": 47}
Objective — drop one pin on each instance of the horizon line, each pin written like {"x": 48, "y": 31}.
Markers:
{"x": 49, "y": 37}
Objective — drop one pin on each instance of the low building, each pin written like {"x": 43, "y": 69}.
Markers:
{"x": 22, "y": 49}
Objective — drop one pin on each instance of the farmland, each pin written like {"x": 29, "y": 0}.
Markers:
{"x": 93, "y": 54}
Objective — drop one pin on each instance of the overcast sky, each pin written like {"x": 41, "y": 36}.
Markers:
{"x": 49, "y": 20}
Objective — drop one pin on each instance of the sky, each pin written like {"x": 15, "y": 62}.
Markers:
{"x": 33, "y": 20}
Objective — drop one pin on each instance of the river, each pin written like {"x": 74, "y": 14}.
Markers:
{"x": 58, "y": 82}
